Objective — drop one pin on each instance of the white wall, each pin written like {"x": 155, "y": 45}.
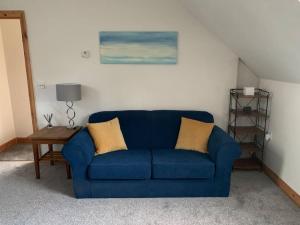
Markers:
{"x": 59, "y": 30}
{"x": 283, "y": 151}
{"x": 264, "y": 33}
{"x": 7, "y": 128}
{"x": 246, "y": 78}
{"x": 17, "y": 78}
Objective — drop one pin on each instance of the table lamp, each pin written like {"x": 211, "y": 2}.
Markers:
{"x": 69, "y": 93}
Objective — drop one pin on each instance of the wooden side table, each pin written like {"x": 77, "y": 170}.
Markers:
{"x": 50, "y": 136}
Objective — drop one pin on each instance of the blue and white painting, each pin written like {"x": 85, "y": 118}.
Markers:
{"x": 138, "y": 47}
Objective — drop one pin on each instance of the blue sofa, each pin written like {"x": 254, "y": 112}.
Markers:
{"x": 151, "y": 167}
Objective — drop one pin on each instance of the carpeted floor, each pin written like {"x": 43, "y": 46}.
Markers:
{"x": 24, "y": 200}
{"x": 19, "y": 152}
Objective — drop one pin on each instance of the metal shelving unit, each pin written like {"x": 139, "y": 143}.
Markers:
{"x": 249, "y": 127}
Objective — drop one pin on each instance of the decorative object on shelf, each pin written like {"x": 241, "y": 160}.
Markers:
{"x": 247, "y": 109}
{"x": 249, "y": 90}
{"x": 138, "y": 47}
{"x": 48, "y": 118}
{"x": 249, "y": 133}
{"x": 69, "y": 93}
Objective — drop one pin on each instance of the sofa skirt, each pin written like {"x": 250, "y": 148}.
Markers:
{"x": 150, "y": 188}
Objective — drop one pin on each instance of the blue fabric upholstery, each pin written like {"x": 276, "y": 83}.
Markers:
{"x": 135, "y": 126}
{"x": 79, "y": 152}
{"x": 223, "y": 150}
{"x": 166, "y": 123}
{"x": 181, "y": 164}
{"x": 150, "y": 129}
{"x": 121, "y": 165}
{"x": 157, "y": 173}
{"x": 153, "y": 188}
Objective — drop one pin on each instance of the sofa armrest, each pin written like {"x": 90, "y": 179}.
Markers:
{"x": 79, "y": 152}
{"x": 223, "y": 150}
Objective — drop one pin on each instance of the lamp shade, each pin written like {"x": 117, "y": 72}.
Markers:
{"x": 68, "y": 92}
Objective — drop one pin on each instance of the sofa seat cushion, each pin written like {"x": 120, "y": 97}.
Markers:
{"x": 181, "y": 164}
{"x": 121, "y": 165}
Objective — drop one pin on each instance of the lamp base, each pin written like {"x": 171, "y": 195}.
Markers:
{"x": 71, "y": 128}
{"x": 70, "y": 114}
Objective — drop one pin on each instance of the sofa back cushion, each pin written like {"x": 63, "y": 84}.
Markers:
{"x": 135, "y": 126}
{"x": 156, "y": 129}
{"x": 166, "y": 125}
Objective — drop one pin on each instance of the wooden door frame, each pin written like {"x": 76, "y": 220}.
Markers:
{"x": 19, "y": 14}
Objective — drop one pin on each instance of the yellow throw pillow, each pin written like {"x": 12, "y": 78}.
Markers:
{"x": 107, "y": 136}
{"x": 193, "y": 135}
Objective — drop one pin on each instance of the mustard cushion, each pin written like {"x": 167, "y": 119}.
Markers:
{"x": 193, "y": 135}
{"x": 107, "y": 136}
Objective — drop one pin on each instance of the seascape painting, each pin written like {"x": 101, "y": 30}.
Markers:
{"x": 138, "y": 47}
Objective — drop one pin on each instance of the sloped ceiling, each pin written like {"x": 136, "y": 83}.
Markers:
{"x": 265, "y": 34}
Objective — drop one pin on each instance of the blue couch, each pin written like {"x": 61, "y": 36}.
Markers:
{"x": 151, "y": 167}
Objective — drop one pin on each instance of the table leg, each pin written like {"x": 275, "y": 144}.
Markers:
{"x": 35, "y": 148}
{"x": 50, "y": 148}
{"x": 69, "y": 176}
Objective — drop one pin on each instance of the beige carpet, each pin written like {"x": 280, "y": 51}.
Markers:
{"x": 24, "y": 200}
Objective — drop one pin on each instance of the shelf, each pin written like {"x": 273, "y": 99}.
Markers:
{"x": 250, "y": 147}
{"x": 57, "y": 156}
{"x": 240, "y": 95}
{"x": 247, "y": 164}
{"x": 251, "y": 113}
{"x": 247, "y": 129}
{"x": 259, "y": 93}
